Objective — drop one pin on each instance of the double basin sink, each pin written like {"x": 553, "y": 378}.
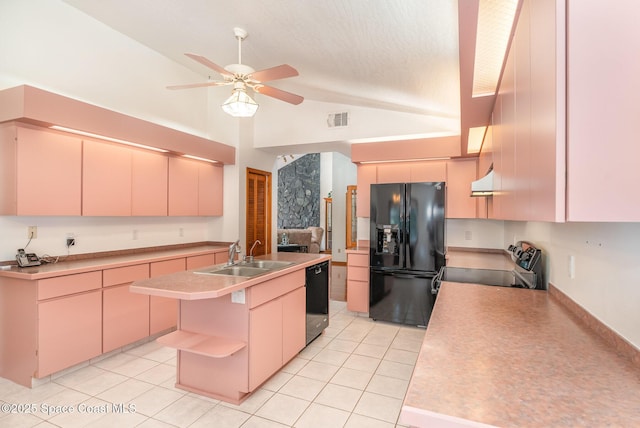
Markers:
{"x": 245, "y": 269}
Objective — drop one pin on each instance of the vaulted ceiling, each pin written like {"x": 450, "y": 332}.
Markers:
{"x": 406, "y": 56}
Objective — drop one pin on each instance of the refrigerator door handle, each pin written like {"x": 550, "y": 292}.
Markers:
{"x": 404, "y": 275}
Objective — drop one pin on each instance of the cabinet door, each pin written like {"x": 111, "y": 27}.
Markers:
{"x": 195, "y": 262}
{"x": 183, "y": 187}
{"x": 507, "y": 195}
{"x": 358, "y": 296}
{"x": 293, "y": 323}
{"x": 460, "y": 174}
{"x": 125, "y": 317}
{"x": 210, "y": 179}
{"x": 428, "y": 171}
{"x": 367, "y": 175}
{"x": 163, "y": 311}
{"x": 106, "y": 179}
{"x": 69, "y": 331}
{"x": 150, "y": 172}
{"x": 48, "y": 176}
{"x": 393, "y": 173}
{"x": 265, "y": 342}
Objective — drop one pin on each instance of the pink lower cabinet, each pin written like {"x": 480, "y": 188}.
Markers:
{"x": 69, "y": 331}
{"x": 211, "y": 340}
{"x": 293, "y": 323}
{"x": 277, "y": 334}
{"x": 358, "y": 282}
{"x": 265, "y": 338}
{"x": 163, "y": 311}
{"x": 125, "y": 315}
{"x": 227, "y": 349}
{"x": 69, "y": 321}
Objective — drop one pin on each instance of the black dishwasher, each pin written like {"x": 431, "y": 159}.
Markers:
{"x": 317, "y": 283}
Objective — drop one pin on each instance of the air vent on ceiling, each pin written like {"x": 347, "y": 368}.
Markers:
{"x": 336, "y": 120}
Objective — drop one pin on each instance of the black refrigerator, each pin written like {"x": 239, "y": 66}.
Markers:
{"x": 406, "y": 250}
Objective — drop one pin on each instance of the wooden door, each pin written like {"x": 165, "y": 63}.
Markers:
{"x": 258, "y": 224}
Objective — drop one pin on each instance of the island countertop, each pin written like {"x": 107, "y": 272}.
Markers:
{"x": 193, "y": 286}
{"x": 510, "y": 357}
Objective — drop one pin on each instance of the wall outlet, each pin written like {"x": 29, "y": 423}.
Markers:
{"x": 181, "y": 232}
{"x": 71, "y": 242}
{"x": 468, "y": 235}
{"x": 134, "y": 235}
{"x": 32, "y": 232}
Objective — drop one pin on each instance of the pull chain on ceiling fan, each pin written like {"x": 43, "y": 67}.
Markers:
{"x": 241, "y": 76}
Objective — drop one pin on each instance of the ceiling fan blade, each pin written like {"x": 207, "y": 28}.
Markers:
{"x": 285, "y": 96}
{"x": 204, "y": 61}
{"x": 199, "y": 85}
{"x": 274, "y": 73}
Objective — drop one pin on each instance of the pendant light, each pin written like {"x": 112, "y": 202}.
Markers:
{"x": 240, "y": 104}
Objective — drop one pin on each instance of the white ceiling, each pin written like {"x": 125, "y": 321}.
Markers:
{"x": 400, "y": 55}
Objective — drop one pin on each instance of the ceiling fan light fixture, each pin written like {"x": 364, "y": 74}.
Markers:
{"x": 240, "y": 104}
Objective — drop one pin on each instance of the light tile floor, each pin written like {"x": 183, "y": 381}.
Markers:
{"x": 354, "y": 375}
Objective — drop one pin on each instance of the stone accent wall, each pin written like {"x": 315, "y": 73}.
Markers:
{"x": 299, "y": 193}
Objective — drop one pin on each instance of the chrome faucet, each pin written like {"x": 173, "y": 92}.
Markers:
{"x": 233, "y": 250}
{"x": 249, "y": 258}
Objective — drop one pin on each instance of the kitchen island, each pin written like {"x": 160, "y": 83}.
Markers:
{"x": 235, "y": 332}
{"x": 511, "y": 357}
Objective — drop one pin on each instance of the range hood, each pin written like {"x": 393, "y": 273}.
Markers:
{"x": 483, "y": 186}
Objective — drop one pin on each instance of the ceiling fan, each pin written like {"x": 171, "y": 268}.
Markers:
{"x": 241, "y": 76}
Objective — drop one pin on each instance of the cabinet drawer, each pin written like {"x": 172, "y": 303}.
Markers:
{"x": 195, "y": 262}
{"x": 168, "y": 266}
{"x": 274, "y": 288}
{"x": 125, "y": 274}
{"x": 221, "y": 257}
{"x": 358, "y": 260}
{"x": 69, "y": 284}
{"x": 357, "y": 273}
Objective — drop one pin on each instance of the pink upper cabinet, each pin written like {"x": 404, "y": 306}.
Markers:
{"x": 149, "y": 183}
{"x": 460, "y": 174}
{"x": 183, "y": 187}
{"x": 603, "y": 111}
{"x": 39, "y": 154}
{"x": 210, "y": 179}
{"x": 528, "y": 142}
{"x": 106, "y": 182}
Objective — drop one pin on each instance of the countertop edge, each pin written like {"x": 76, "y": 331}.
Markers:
{"x": 101, "y": 263}
{"x": 414, "y": 416}
{"x": 146, "y": 286}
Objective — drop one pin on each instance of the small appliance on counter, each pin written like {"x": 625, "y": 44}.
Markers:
{"x": 526, "y": 272}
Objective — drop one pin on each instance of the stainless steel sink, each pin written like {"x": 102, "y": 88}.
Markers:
{"x": 267, "y": 264}
{"x": 246, "y": 271}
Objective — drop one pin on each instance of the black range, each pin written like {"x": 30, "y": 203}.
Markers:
{"x": 526, "y": 271}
